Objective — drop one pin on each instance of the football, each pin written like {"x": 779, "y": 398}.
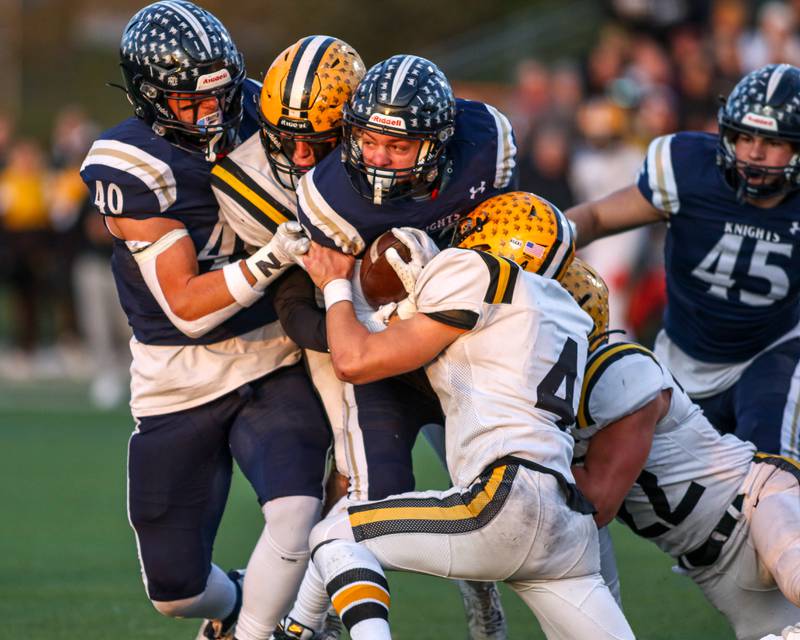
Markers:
{"x": 379, "y": 282}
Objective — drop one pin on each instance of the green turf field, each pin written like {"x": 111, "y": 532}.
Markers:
{"x": 68, "y": 564}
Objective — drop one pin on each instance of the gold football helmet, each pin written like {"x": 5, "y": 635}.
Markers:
{"x": 300, "y": 111}
{"x": 591, "y": 293}
{"x": 522, "y": 227}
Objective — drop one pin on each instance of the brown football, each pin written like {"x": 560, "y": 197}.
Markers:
{"x": 379, "y": 282}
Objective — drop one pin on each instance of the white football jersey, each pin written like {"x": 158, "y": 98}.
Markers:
{"x": 251, "y": 200}
{"x": 692, "y": 473}
{"x": 510, "y": 385}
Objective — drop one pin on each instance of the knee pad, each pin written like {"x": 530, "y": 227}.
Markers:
{"x": 289, "y": 523}
{"x": 177, "y": 608}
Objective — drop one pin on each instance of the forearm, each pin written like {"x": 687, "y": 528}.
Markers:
{"x": 585, "y": 219}
{"x": 294, "y": 296}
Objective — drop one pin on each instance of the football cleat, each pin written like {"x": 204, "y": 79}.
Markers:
{"x": 290, "y": 629}
{"x": 332, "y": 629}
{"x": 486, "y": 619}
{"x": 224, "y": 629}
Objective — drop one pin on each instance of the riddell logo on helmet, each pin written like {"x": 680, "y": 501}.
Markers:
{"x": 213, "y": 80}
{"x": 387, "y": 121}
{"x": 762, "y": 122}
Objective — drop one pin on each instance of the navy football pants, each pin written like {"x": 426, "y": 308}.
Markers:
{"x": 763, "y": 406}
{"x": 180, "y": 465}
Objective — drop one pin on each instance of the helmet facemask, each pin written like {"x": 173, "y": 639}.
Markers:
{"x": 280, "y": 145}
{"x": 740, "y": 174}
{"x": 417, "y": 181}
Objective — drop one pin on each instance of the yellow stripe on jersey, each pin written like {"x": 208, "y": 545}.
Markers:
{"x": 502, "y": 281}
{"x": 456, "y": 512}
{"x": 594, "y": 369}
{"x": 251, "y": 196}
{"x": 359, "y": 592}
{"x": 767, "y": 456}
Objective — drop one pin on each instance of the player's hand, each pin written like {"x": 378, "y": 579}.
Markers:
{"x": 406, "y": 308}
{"x": 379, "y": 320}
{"x": 422, "y": 250}
{"x": 324, "y": 265}
{"x": 289, "y": 243}
{"x": 420, "y": 244}
{"x": 284, "y": 249}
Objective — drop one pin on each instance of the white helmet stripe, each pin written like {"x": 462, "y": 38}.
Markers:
{"x": 400, "y": 75}
{"x": 775, "y": 79}
{"x": 193, "y": 22}
{"x": 304, "y": 66}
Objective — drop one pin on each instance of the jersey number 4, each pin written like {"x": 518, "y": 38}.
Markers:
{"x": 718, "y": 265}
{"x": 556, "y": 391}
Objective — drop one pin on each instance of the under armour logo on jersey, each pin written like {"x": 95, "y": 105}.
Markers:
{"x": 795, "y": 227}
{"x": 474, "y": 191}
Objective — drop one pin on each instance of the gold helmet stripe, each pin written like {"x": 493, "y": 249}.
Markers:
{"x": 502, "y": 278}
{"x": 300, "y": 81}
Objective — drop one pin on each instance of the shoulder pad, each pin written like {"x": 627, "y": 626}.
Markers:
{"x": 127, "y": 180}
{"x": 620, "y": 378}
{"x": 323, "y": 223}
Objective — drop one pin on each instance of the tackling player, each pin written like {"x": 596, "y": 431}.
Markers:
{"x": 214, "y": 378}
{"x": 508, "y": 457}
{"x": 732, "y": 325}
{"x": 729, "y": 516}
{"x": 457, "y": 153}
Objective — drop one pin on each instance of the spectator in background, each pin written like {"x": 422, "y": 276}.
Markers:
{"x": 604, "y": 162}
{"x": 544, "y": 166}
{"x": 85, "y": 254}
{"x": 532, "y": 99}
{"x": 774, "y": 41}
{"x": 71, "y": 138}
{"x": 26, "y": 226}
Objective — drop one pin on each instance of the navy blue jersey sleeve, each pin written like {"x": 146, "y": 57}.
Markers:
{"x": 671, "y": 170}
{"x": 128, "y": 181}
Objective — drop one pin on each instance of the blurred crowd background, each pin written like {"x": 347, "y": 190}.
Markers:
{"x": 587, "y": 85}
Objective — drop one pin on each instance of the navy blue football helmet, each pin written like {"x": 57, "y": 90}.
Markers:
{"x": 404, "y": 96}
{"x": 176, "y": 50}
{"x": 766, "y": 102}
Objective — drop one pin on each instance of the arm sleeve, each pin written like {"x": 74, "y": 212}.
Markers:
{"x": 294, "y": 297}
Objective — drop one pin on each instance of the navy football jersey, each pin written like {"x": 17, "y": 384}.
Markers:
{"x": 132, "y": 172}
{"x": 483, "y": 162}
{"x": 733, "y": 270}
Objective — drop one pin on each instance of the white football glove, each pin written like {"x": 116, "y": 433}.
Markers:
{"x": 378, "y": 320}
{"x": 287, "y": 246}
{"x": 422, "y": 250}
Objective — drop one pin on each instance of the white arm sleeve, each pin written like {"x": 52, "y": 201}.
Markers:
{"x": 146, "y": 259}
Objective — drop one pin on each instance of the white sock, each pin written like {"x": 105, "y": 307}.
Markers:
{"x": 312, "y": 601}
{"x": 276, "y": 565}
{"x": 357, "y": 587}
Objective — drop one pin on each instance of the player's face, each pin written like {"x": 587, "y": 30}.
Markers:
{"x": 307, "y": 153}
{"x": 762, "y": 152}
{"x": 193, "y": 111}
{"x": 388, "y": 152}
